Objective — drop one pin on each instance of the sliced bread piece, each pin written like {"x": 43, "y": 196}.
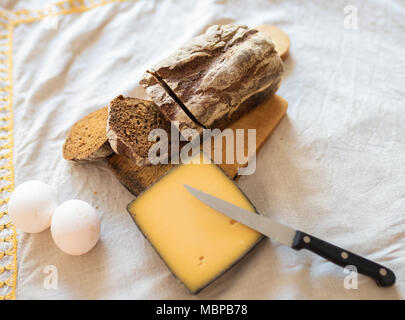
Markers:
{"x": 87, "y": 140}
{"x": 129, "y": 123}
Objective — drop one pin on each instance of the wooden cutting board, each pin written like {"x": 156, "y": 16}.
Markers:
{"x": 264, "y": 118}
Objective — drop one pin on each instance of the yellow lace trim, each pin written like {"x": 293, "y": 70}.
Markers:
{"x": 8, "y": 20}
{"x": 8, "y": 236}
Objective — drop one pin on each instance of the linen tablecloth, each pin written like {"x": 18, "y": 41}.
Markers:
{"x": 334, "y": 167}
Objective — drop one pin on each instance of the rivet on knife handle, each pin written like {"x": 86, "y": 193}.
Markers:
{"x": 382, "y": 275}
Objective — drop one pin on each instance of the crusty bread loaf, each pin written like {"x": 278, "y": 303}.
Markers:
{"x": 171, "y": 109}
{"x": 129, "y": 123}
{"x": 87, "y": 139}
{"x": 218, "y": 76}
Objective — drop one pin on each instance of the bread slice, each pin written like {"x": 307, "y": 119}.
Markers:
{"x": 129, "y": 123}
{"x": 219, "y": 75}
{"x": 87, "y": 140}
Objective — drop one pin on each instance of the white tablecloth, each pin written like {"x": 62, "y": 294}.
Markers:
{"x": 335, "y": 166}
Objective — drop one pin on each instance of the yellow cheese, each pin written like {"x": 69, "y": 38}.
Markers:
{"x": 196, "y": 242}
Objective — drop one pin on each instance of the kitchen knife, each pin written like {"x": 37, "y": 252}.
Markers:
{"x": 297, "y": 239}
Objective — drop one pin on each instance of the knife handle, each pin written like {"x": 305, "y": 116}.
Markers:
{"x": 382, "y": 275}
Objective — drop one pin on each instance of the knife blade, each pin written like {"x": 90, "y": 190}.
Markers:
{"x": 297, "y": 239}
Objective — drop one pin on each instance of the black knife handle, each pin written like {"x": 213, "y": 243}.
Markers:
{"x": 382, "y": 275}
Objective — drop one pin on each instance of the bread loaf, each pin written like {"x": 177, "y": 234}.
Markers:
{"x": 216, "y": 77}
{"x": 168, "y": 106}
{"x": 130, "y": 121}
{"x": 87, "y": 139}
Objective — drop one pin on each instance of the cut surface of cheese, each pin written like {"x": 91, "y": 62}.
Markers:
{"x": 196, "y": 242}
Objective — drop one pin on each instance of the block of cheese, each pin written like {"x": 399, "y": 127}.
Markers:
{"x": 197, "y": 243}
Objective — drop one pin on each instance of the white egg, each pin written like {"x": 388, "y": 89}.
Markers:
{"x": 75, "y": 227}
{"x": 32, "y": 205}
